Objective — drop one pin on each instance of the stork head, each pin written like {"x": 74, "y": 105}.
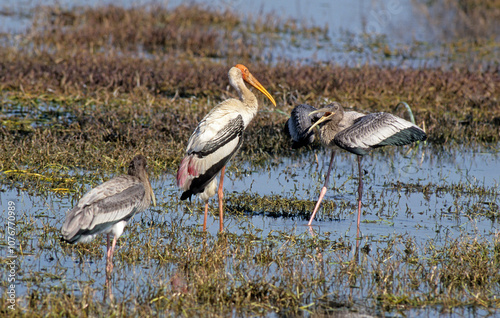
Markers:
{"x": 330, "y": 111}
{"x": 245, "y": 74}
{"x": 138, "y": 168}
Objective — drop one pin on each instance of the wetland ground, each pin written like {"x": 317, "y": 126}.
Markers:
{"x": 86, "y": 88}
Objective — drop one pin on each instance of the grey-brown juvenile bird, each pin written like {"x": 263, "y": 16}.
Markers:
{"x": 107, "y": 208}
{"x": 355, "y": 132}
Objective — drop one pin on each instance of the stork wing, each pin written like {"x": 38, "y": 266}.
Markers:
{"x": 297, "y": 126}
{"x": 377, "y": 130}
{"x": 108, "y": 189}
{"x": 111, "y": 202}
{"x": 214, "y": 142}
{"x": 216, "y": 129}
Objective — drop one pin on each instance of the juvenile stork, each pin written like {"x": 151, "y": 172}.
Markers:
{"x": 217, "y": 139}
{"x": 355, "y": 132}
{"x": 108, "y": 207}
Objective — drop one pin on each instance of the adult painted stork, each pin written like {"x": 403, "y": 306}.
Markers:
{"x": 352, "y": 131}
{"x": 217, "y": 139}
{"x": 108, "y": 207}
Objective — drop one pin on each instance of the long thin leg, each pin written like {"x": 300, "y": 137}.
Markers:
{"x": 323, "y": 190}
{"x": 205, "y": 217}
{"x": 107, "y": 246}
{"x": 109, "y": 266}
{"x": 108, "y": 251}
{"x": 220, "y": 194}
{"x": 360, "y": 193}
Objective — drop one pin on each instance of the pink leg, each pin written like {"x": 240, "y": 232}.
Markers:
{"x": 360, "y": 193}
{"x": 107, "y": 246}
{"x": 220, "y": 194}
{"x": 205, "y": 218}
{"x": 109, "y": 265}
{"x": 109, "y": 268}
{"x": 323, "y": 190}
{"x": 108, "y": 251}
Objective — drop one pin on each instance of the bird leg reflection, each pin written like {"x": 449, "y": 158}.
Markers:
{"x": 220, "y": 194}
{"x": 205, "y": 217}
{"x": 108, "y": 288}
{"x": 323, "y": 190}
{"x": 360, "y": 193}
{"x": 356, "y": 252}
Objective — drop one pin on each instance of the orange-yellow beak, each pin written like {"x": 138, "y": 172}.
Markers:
{"x": 328, "y": 114}
{"x": 250, "y": 79}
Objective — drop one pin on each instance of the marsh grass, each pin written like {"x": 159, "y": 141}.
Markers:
{"x": 78, "y": 87}
{"x": 87, "y": 89}
{"x": 282, "y": 273}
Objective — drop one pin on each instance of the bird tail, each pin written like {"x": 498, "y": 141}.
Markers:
{"x": 75, "y": 220}
{"x": 185, "y": 173}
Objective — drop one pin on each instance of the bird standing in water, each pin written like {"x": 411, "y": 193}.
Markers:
{"x": 108, "y": 207}
{"x": 355, "y": 132}
{"x": 216, "y": 140}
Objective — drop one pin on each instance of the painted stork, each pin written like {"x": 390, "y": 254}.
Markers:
{"x": 108, "y": 207}
{"x": 355, "y": 132}
{"x": 217, "y": 139}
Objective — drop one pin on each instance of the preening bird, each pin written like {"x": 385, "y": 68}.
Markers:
{"x": 355, "y": 132}
{"x": 297, "y": 126}
{"x": 217, "y": 139}
{"x": 107, "y": 208}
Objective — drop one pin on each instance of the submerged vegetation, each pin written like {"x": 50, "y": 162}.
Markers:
{"x": 86, "y": 89}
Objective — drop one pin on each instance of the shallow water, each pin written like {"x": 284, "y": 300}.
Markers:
{"x": 360, "y": 16}
{"x": 357, "y": 31}
{"x": 439, "y": 202}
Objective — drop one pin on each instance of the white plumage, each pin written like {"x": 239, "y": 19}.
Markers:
{"x": 216, "y": 140}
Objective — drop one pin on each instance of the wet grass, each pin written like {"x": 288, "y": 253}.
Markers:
{"x": 86, "y": 89}
{"x": 101, "y": 131}
{"x": 257, "y": 273}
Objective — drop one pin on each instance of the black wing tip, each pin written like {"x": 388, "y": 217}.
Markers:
{"x": 286, "y": 130}
{"x": 186, "y": 195}
{"x": 417, "y": 133}
{"x": 423, "y": 136}
{"x": 357, "y": 151}
{"x": 70, "y": 240}
{"x": 299, "y": 124}
{"x": 303, "y": 142}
